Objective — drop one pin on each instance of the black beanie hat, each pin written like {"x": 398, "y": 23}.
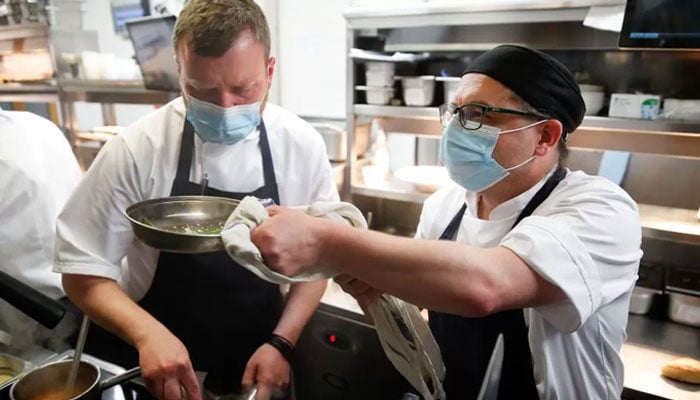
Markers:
{"x": 537, "y": 78}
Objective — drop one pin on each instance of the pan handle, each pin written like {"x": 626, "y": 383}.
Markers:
{"x": 115, "y": 380}
{"x": 30, "y": 301}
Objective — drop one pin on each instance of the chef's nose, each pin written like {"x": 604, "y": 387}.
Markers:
{"x": 227, "y": 98}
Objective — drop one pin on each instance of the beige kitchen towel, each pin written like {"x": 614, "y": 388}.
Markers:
{"x": 402, "y": 331}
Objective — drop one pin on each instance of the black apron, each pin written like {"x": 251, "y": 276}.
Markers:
{"x": 466, "y": 343}
{"x": 219, "y": 310}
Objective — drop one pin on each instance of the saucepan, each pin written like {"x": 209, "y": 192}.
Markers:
{"x": 48, "y": 382}
{"x": 10, "y": 368}
{"x": 181, "y": 224}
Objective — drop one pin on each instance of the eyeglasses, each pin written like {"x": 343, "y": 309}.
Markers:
{"x": 471, "y": 115}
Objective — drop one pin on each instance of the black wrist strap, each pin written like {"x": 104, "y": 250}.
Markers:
{"x": 284, "y": 346}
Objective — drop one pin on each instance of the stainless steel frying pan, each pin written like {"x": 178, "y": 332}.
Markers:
{"x": 181, "y": 224}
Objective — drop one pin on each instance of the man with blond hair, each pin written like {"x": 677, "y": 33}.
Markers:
{"x": 184, "y": 312}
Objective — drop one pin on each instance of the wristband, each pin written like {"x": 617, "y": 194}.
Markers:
{"x": 284, "y": 346}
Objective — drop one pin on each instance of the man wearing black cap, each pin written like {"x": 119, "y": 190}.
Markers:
{"x": 519, "y": 245}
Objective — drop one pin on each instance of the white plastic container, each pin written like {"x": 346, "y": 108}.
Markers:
{"x": 378, "y": 95}
{"x": 418, "y": 90}
{"x": 449, "y": 85}
{"x": 380, "y": 73}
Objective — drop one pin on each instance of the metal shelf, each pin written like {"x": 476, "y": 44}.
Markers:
{"x": 664, "y": 137}
{"x": 30, "y": 93}
{"x": 21, "y": 31}
{"x": 396, "y": 111}
{"x": 667, "y": 223}
{"x": 112, "y": 91}
{"x": 468, "y": 13}
{"x": 389, "y": 193}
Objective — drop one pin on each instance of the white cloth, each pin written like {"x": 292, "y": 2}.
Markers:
{"x": 585, "y": 238}
{"x": 93, "y": 235}
{"x": 402, "y": 331}
{"x": 38, "y": 171}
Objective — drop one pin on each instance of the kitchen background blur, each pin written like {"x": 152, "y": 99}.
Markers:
{"x": 369, "y": 76}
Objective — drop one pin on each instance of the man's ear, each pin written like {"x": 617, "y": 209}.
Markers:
{"x": 550, "y": 134}
{"x": 270, "y": 71}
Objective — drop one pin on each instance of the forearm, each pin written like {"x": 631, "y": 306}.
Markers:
{"x": 440, "y": 275}
{"x": 106, "y": 304}
{"x": 302, "y": 300}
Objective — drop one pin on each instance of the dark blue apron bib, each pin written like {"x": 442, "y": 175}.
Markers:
{"x": 466, "y": 343}
{"x": 219, "y": 310}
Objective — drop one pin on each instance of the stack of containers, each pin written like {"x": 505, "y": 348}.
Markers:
{"x": 380, "y": 80}
{"x": 418, "y": 91}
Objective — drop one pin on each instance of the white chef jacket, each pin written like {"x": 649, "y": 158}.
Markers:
{"x": 93, "y": 235}
{"x": 38, "y": 171}
{"x": 585, "y": 238}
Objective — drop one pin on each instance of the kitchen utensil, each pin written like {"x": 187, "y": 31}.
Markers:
{"x": 70, "y": 382}
{"x": 35, "y": 304}
{"x": 181, "y": 224}
{"x": 10, "y": 368}
{"x": 492, "y": 378}
{"x": 48, "y": 382}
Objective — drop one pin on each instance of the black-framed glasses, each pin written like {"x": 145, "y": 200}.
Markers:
{"x": 471, "y": 115}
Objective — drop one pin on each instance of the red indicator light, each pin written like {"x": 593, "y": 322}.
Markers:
{"x": 332, "y": 338}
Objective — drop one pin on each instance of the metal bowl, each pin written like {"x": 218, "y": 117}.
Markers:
{"x": 181, "y": 224}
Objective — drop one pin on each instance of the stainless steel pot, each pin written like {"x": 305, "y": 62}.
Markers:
{"x": 181, "y": 224}
{"x": 48, "y": 382}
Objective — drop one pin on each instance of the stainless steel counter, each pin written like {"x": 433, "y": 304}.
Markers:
{"x": 674, "y": 224}
{"x": 650, "y": 344}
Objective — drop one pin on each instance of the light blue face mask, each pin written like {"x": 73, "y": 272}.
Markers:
{"x": 468, "y": 155}
{"x": 225, "y": 125}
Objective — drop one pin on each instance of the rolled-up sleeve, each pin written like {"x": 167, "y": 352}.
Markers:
{"x": 586, "y": 242}
{"x": 565, "y": 263}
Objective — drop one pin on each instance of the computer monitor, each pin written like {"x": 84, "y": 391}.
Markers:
{"x": 661, "y": 25}
{"x": 152, "y": 41}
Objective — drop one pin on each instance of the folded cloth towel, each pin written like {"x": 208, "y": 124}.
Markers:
{"x": 402, "y": 331}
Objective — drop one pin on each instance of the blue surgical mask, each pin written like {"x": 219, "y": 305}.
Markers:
{"x": 468, "y": 155}
{"x": 225, "y": 125}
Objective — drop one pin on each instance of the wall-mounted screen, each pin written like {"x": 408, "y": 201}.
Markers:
{"x": 661, "y": 24}
{"x": 152, "y": 40}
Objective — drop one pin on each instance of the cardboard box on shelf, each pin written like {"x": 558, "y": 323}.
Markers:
{"x": 639, "y": 106}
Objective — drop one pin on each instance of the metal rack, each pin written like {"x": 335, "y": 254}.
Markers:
{"x": 653, "y": 137}
{"x": 400, "y": 27}
{"x": 107, "y": 93}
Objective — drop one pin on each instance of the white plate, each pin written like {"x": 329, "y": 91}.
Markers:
{"x": 426, "y": 178}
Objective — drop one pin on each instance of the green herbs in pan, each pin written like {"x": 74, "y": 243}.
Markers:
{"x": 198, "y": 228}
{"x": 202, "y": 228}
